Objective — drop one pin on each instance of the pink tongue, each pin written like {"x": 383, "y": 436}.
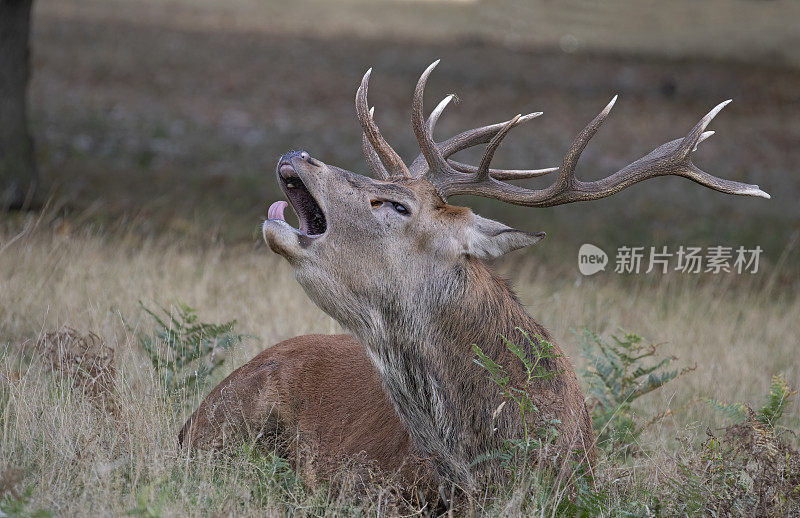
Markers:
{"x": 275, "y": 210}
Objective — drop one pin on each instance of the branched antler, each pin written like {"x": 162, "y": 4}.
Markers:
{"x": 452, "y": 178}
{"x": 672, "y": 158}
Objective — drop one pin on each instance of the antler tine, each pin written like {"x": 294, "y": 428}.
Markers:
{"x": 698, "y": 133}
{"x": 566, "y": 176}
{"x": 672, "y": 158}
{"x": 437, "y": 164}
{"x": 483, "y": 169}
{"x": 433, "y": 118}
{"x": 503, "y": 174}
{"x": 388, "y": 157}
{"x": 371, "y": 156}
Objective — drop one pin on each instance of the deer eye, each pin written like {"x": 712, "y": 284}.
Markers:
{"x": 400, "y": 208}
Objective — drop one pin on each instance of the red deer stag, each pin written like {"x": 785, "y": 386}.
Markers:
{"x": 404, "y": 272}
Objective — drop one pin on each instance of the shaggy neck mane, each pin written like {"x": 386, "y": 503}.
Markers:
{"x": 425, "y": 358}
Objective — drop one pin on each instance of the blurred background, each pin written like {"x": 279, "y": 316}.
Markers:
{"x": 171, "y": 114}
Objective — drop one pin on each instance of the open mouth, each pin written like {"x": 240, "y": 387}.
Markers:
{"x": 309, "y": 213}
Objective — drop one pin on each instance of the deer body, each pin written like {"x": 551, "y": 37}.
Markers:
{"x": 404, "y": 272}
{"x": 328, "y": 391}
{"x": 323, "y": 400}
{"x": 318, "y": 397}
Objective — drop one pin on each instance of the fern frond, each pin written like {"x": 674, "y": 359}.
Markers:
{"x": 735, "y": 411}
{"x": 779, "y": 397}
{"x": 183, "y": 349}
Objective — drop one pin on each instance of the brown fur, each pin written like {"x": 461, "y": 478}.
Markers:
{"x": 495, "y": 310}
{"x": 412, "y": 287}
{"x": 319, "y": 389}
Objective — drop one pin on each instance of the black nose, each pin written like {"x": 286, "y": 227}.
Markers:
{"x": 302, "y": 155}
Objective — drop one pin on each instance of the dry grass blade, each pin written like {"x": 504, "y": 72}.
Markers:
{"x": 85, "y": 360}
{"x": 9, "y": 479}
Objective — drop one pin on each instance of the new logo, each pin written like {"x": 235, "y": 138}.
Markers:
{"x": 591, "y": 259}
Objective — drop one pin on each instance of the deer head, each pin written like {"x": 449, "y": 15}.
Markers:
{"x": 360, "y": 237}
{"x": 402, "y": 269}
{"x": 362, "y": 240}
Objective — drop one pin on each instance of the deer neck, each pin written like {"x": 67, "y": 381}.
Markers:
{"x": 424, "y": 354}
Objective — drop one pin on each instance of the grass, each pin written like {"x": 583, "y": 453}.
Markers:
{"x": 77, "y": 458}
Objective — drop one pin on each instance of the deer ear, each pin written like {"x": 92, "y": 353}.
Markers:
{"x": 488, "y": 238}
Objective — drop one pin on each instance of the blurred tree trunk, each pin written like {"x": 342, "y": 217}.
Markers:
{"x": 19, "y": 179}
